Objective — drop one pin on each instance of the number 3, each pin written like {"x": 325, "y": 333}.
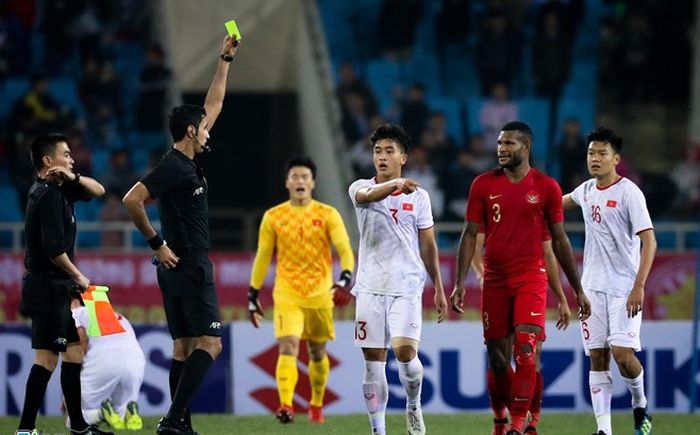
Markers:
{"x": 360, "y": 330}
{"x": 496, "y": 212}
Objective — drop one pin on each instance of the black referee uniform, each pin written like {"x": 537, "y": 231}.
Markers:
{"x": 50, "y": 229}
{"x": 189, "y": 296}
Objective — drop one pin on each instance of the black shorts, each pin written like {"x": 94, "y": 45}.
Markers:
{"x": 189, "y": 298}
{"x": 47, "y": 302}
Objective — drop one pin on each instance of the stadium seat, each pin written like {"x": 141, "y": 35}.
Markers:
{"x": 582, "y": 109}
{"x": 474, "y": 106}
{"x": 453, "y": 111}
{"x": 64, "y": 91}
{"x": 11, "y": 91}
{"x": 382, "y": 76}
{"x": 100, "y": 162}
{"x": 10, "y": 209}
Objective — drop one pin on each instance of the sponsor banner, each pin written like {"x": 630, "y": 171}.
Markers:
{"x": 454, "y": 359}
{"x": 17, "y": 358}
{"x": 134, "y": 288}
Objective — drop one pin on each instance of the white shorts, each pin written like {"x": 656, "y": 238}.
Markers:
{"x": 113, "y": 374}
{"x": 609, "y": 325}
{"x": 379, "y": 318}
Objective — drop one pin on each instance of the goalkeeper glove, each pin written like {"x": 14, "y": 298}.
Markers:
{"x": 255, "y": 310}
{"x": 341, "y": 295}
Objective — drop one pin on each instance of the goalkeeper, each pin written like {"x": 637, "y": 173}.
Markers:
{"x": 301, "y": 231}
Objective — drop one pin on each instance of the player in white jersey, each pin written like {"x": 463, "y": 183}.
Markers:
{"x": 614, "y": 274}
{"x": 112, "y": 374}
{"x": 397, "y": 246}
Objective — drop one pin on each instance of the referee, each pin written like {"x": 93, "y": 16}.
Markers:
{"x": 50, "y": 232}
{"x": 185, "y": 273}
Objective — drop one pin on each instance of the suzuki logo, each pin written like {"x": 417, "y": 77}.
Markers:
{"x": 268, "y": 397}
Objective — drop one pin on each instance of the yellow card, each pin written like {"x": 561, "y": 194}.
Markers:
{"x": 232, "y": 29}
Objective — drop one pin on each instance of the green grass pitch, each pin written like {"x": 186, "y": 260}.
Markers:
{"x": 437, "y": 424}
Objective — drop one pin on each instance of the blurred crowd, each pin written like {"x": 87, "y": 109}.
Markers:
{"x": 92, "y": 70}
{"x": 526, "y": 49}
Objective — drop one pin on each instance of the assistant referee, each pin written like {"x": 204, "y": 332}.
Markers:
{"x": 50, "y": 229}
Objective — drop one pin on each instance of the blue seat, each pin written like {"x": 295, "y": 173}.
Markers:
{"x": 474, "y": 106}
{"x": 10, "y": 210}
{"x": 581, "y": 109}
{"x": 64, "y": 91}
{"x": 584, "y": 80}
{"x": 151, "y": 141}
{"x": 10, "y": 92}
{"x": 100, "y": 162}
{"x": 453, "y": 112}
{"x": 382, "y": 76}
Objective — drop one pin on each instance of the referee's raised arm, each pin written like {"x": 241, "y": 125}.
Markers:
{"x": 214, "y": 100}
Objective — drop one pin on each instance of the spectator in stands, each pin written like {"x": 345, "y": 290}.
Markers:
{"x": 438, "y": 142}
{"x": 120, "y": 176}
{"x": 569, "y": 15}
{"x": 459, "y": 177}
{"x": 56, "y": 27}
{"x": 398, "y": 20}
{"x": 414, "y": 111}
{"x": 22, "y": 172}
{"x": 418, "y": 168}
{"x": 452, "y": 23}
{"x": 686, "y": 175}
{"x": 361, "y": 154}
{"x": 113, "y": 211}
{"x": 570, "y": 150}
{"x": 80, "y": 151}
{"x": 496, "y": 112}
{"x": 551, "y": 57}
{"x": 86, "y": 32}
{"x": 349, "y": 83}
{"x": 483, "y": 155}
{"x": 155, "y": 81}
{"x": 355, "y": 119}
{"x": 37, "y": 106}
{"x": 633, "y": 58}
{"x": 498, "y": 52}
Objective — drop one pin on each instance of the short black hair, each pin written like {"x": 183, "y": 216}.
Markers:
{"x": 520, "y": 127}
{"x": 45, "y": 145}
{"x": 395, "y": 133}
{"x": 300, "y": 161}
{"x": 602, "y": 134}
{"x": 183, "y": 116}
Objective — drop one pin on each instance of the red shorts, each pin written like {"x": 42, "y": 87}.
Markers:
{"x": 504, "y": 307}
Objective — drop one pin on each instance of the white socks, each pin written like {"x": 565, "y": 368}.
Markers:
{"x": 411, "y": 376}
{"x": 376, "y": 393}
{"x": 601, "y": 395}
{"x": 636, "y": 387}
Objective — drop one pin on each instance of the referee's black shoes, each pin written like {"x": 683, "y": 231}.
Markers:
{"x": 168, "y": 426}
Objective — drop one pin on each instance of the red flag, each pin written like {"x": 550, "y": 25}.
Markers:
{"x": 611, "y": 203}
{"x": 407, "y": 206}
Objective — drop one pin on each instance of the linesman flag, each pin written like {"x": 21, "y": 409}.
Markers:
{"x": 103, "y": 319}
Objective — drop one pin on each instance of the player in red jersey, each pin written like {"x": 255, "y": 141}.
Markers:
{"x": 514, "y": 205}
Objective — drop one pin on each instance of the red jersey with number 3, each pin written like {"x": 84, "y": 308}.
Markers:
{"x": 514, "y": 217}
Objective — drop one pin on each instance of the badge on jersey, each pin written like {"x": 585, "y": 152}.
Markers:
{"x": 532, "y": 197}
{"x": 407, "y": 206}
{"x": 611, "y": 203}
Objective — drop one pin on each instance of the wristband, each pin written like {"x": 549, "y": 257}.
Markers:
{"x": 345, "y": 278}
{"x": 253, "y": 299}
{"x": 155, "y": 242}
{"x": 226, "y": 57}
{"x": 76, "y": 180}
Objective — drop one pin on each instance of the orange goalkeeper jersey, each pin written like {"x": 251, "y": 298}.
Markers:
{"x": 301, "y": 237}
